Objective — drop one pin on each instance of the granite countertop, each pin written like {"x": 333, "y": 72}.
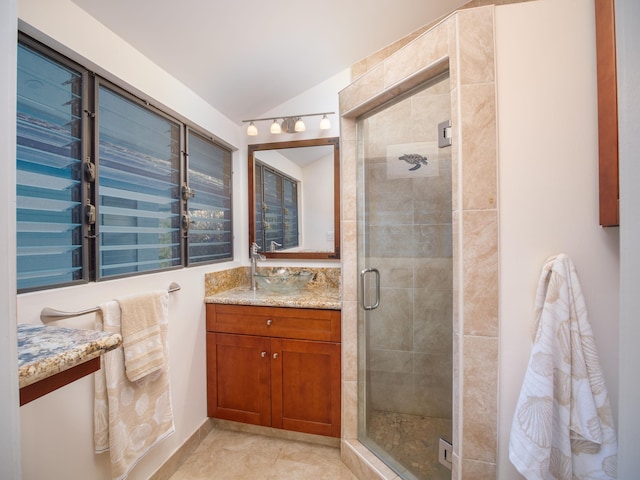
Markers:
{"x": 44, "y": 350}
{"x": 232, "y": 287}
{"x": 323, "y": 298}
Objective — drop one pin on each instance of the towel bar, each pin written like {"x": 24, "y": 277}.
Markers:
{"x": 51, "y": 314}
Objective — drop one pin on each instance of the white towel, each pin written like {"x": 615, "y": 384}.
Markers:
{"x": 563, "y": 428}
{"x": 130, "y": 417}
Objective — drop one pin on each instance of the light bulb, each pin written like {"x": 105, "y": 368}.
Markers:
{"x": 299, "y": 127}
{"x": 252, "y": 130}
{"x": 325, "y": 124}
{"x": 275, "y": 127}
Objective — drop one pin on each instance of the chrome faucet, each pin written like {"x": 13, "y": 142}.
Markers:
{"x": 255, "y": 256}
{"x": 274, "y": 244}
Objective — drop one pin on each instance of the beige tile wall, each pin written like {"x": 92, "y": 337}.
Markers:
{"x": 364, "y": 65}
{"x": 463, "y": 44}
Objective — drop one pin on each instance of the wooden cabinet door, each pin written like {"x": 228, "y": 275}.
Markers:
{"x": 238, "y": 378}
{"x": 305, "y": 386}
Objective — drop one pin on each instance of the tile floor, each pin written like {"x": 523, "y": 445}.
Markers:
{"x": 232, "y": 455}
{"x": 413, "y": 441}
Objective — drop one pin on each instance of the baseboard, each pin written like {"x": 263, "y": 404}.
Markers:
{"x": 276, "y": 433}
{"x": 177, "y": 458}
{"x": 363, "y": 463}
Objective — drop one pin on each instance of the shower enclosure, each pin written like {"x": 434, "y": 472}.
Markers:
{"x": 405, "y": 296}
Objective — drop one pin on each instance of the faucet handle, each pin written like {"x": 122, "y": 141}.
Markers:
{"x": 274, "y": 244}
{"x": 254, "y": 248}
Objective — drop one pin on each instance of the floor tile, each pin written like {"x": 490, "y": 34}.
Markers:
{"x": 231, "y": 455}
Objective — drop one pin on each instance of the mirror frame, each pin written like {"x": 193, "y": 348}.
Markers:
{"x": 335, "y": 142}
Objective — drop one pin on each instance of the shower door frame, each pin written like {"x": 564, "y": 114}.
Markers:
{"x": 462, "y": 43}
{"x": 420, "y": 388}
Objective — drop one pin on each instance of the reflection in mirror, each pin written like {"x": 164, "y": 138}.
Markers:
{"x": 294, "y": 198}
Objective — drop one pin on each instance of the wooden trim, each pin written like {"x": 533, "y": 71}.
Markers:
{"x": 607, "y": 112}
{"x": 48, "y": 385}
{"x": 333, "y": 141}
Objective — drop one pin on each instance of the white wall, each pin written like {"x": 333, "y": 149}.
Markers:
{"x": 549, "y": 184}
{"x": 281, "y": 163}
{"x": 65, "y": 26}
{"x": 9, "y": 413}
{"x": 321, "y": 98}
{"x": 548, "y": 201}
{"x": 628, "y": 39}
{"x": 57, "y": 430}
{"x": 317, "y": 205}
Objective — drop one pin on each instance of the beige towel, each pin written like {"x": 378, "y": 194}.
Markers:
{"x": 141, "y": 339}
{"x": 130, "y": 417}
{"x": 563, "y": 428}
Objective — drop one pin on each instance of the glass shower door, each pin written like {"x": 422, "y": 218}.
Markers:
{"x": 405, "y": 265}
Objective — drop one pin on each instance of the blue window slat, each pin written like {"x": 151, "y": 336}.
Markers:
{"x": 210, "y": 238}
{"x": 126, "y": 191}
{"x": 122, "y": 230}
{"x": 50, "y": 277}
{"x": 138, "y": 202}
{"x": 48, "y": 232}
{"x": 118, "y": 158}
{"x": 276, "y": 208}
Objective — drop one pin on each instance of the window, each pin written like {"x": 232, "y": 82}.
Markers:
{"x": 209, "y": 215}
{"x": 139, "y": 169}
{"x": 49, "y": 184}
{"x": 276, "y": 208}
{"x": 108, "y": 186}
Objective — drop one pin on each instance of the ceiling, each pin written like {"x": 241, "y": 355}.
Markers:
{"x": 246, "y": 57}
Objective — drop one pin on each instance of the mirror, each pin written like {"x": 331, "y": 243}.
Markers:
{"x": 294, "y": 198}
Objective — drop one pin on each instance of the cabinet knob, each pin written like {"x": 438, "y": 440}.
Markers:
{"x": 269, "y": 322}
{"x": 263, "y": 354}
{"x": 275, "y": 355}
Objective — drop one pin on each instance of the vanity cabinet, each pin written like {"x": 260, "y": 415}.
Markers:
{"x": 275, "y": 367}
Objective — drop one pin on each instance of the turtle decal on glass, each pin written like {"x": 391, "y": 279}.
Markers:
{"x": 414, "y": 159}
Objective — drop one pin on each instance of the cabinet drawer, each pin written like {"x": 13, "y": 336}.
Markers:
{"x": 300, "y": 323}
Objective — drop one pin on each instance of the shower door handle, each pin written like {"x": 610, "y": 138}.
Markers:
{"x": 362, "y": 277}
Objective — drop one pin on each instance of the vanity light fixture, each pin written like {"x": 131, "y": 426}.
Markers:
{"x": 289, "y": 124}
{"x": 275, "y": 127}
{"x": 252, "y": 130}
{"x": 299, "y": 126}
{"x": 325, "y": 124}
